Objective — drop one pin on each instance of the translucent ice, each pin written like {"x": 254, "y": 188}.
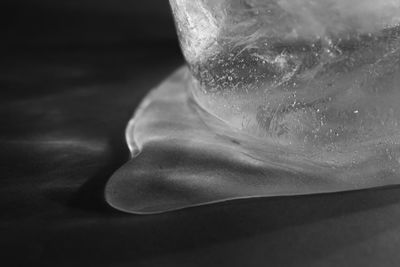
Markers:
{"x": 313, "y": 76}
{"x": 179, "y": 161}
{"x": 284, "y": 97}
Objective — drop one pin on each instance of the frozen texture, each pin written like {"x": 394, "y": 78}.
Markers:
{"x": 205, "y": 25}
{"x": 312, "y": 76}
{"x": 285, "y": 97}
{"x": 179, "y": 161}
{"x": 326, "y": 17}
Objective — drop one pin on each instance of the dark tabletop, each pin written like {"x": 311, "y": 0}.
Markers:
{"x": 71, "y": 75}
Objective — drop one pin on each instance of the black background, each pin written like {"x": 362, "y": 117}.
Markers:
{"x": 71, "y": 74}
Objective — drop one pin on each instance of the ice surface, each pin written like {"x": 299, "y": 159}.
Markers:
{"x": 179, "y": 161}
{"x": 316, "y": 76}
{"x": 284, "y": 97}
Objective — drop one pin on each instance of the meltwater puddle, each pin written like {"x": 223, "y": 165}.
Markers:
{"x": 184, "y": 157}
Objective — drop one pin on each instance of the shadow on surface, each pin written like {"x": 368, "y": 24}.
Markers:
{"x": 276, "y": 228}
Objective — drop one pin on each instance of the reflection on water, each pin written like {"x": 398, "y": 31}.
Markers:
{"x": 183, "y": 156}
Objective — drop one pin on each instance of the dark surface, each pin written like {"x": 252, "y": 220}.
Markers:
{"x": 72, "y": 73}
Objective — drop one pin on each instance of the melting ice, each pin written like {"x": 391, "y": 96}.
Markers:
{"x": 301, "y": 73}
